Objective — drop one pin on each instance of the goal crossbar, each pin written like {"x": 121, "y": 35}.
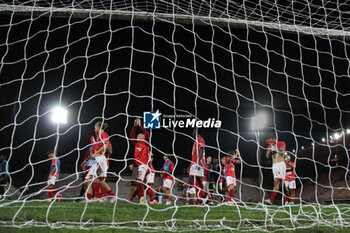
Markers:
{"x": 177, "y": 18}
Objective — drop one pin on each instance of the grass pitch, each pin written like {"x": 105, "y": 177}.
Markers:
{"x": 39, "y": 216}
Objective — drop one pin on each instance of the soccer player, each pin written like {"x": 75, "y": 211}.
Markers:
{"x": 207, "y": 179}
{"x": 221, "y": 168}
{"x": 198, "y": 158}
{"x": 141, "y": 156}
{"x": 276, "y": 150}
{"x": 3, "y": 175}
{"x": 55, "y": 170}
{"x": 230, "y": 162}
{"x": 100, "y": 152}
{"x": 149, "y": 182}
{"x": 168, "y": 178}
{"x": 290, "y": 180}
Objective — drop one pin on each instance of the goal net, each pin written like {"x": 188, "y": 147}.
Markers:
{"x": 263, "y": 83}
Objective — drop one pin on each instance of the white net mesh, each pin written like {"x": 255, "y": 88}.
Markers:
{"x": 217, "y": 60}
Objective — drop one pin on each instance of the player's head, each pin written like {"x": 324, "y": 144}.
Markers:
{"x": 166, "y": 157}
{"x": 99, "y": 126}
{"x": 3, "y": 157}
{"x": 209, "y": 159}
{"x": 50, "y": 154}
{"x": 141, "y": 136}
{"x": 215, "y": 161}
{"x": 223, "y": 159}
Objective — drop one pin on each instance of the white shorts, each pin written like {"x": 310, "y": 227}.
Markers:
{"x": 98, "y": 169}
{"x": 150, "y": 178}
{"x": 191, "y": 191}
{"x": 141, "y": 172}
{"x": 291, "y": 184}
{"x": 206, "y": 186}
{"x": 167, "y": 183}
{"x": 230, "y": 180}
{"x": 279, "y": 170}
{"x": 52, "y": 180}
{"x": 196, "y": 170}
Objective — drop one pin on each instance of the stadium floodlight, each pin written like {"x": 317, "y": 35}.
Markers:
{"x": 323, "y": 139}
{"x": 59, "y": 115}
{"x": 302, "y": 147}
{"x": 337, "y": 136}
{"x": 348, "y": 131}
{"x": 258, "y": 121}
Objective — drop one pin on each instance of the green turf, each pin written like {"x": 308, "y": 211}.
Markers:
{"x": 122, "y": 217}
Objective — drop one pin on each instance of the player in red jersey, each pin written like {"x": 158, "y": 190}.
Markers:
{"x": 101, "y": 147}
{"x": 141, "y": 156}
{"x": 149, "y": 182}
{"x": 198, "y": 156}
{"x": 230, "y": 171}
{"x": 276, "y": 150}
{"x": 196, "y": 170}
{"x": 290, "y": 180}
{"x": 55, "y": 170}
{"x": 168, "y": 178}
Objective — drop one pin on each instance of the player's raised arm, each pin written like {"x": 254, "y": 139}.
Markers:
{"x": 270, "y": 147}
{"x": 133, "y": 132}
{"x": 237, "y": 157}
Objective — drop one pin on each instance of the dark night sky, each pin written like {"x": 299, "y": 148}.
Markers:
{"x": 117, "y": 72}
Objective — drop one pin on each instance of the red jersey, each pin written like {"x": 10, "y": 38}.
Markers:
{"x": 230, "y": 167}
{"x": 141, "y": 153}
{"x": 290, "y": 173}
{"x": 168, "y": 169}
{"x": 199, "y": 143}
{"x": 98, "y": 142}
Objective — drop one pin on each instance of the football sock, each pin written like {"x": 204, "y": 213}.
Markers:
{"x": 133, "y": 195}
{"x": 150, "y": 194}
{"x": 273, "y": 196}
{"x": 141, "y": 189}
